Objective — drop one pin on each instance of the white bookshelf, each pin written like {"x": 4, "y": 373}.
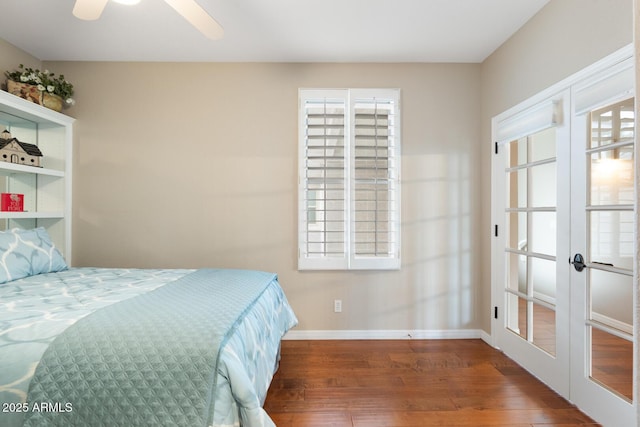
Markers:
{"x": 47, "y": 189}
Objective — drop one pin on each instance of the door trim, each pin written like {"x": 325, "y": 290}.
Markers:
{"x": 590, "y": 76}
{"x": 581, "y": 76}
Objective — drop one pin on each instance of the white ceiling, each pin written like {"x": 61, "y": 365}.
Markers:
{"x": 270, "y": 30}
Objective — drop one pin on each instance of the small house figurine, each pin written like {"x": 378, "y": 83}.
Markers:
{"x": 14, "y": 151}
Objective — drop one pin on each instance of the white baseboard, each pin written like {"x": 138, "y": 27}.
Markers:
{"x": 387, "y": 334}
{"x": 486, "y": 337}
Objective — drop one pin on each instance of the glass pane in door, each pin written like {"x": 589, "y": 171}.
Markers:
{"x": 517, "y": 314}
{"x": 531, "y": 239}
{"x": 543, "y": 233}
{"x": 610, "y": 217}
{"x": 611, "y": 239}
{"x": 544, "y": 328}
{"x": 543, "y": 185}
{"x": 517, "y": 232}
{"x": 612, "y": 362}
{"x": 517, "y": 188}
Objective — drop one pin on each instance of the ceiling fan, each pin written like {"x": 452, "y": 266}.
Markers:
{"x": 90, "y": 10}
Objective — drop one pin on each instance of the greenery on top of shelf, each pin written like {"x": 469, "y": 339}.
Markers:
{"x": 44, "y": 80}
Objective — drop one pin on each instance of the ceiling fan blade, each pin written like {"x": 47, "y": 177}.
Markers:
{"x": 89, "y": 10}
{"x": 198, "y": 17}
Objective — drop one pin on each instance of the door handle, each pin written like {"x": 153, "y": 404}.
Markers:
{"x": 578, "y": 262}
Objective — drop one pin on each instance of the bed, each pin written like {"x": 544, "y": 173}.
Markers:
{"x": 112, "y": 347}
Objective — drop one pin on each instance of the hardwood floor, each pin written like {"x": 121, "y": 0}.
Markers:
{"x": 405, "y": 383}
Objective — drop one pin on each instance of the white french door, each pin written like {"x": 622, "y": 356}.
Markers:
{"x": 531, "y": 208}
{"x": 563, "y": 252}
{"x": 603, "y": 247}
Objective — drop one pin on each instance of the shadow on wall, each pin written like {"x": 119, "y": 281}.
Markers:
{"x": 437, "y": 240}
{"x": 434, "y": 289}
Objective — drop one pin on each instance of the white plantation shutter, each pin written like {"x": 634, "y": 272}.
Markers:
{"x": 614, "y": 124}
{"x": 349, "y": 195}
{"x": 323, "y": 182}
{"x": 375, "y": 171}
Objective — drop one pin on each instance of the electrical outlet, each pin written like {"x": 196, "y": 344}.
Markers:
{"x": 337, "y": 306}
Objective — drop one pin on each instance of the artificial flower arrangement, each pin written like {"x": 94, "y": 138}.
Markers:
{"x": 44, "y": 82}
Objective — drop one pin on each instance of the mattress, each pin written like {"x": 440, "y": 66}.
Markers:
{"x": 39, "y": 312}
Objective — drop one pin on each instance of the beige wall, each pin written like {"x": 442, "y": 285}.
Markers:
{"x": 563, "y": 38}
{"x": 11, "y": 57}
{"x": 195, "y": 165}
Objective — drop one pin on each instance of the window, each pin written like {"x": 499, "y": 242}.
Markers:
{"x": 349, "y": 179}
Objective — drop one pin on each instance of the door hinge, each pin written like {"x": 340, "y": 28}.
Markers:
{"x": 495, "y": 230}
{"x": 495, "y": 312}
{"x": 496, "y": 147}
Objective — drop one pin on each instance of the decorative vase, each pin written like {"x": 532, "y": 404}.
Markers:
{"x": 31, "y": 93}
{"x": 24, "y": 90}
{"x": 52, "y": 101}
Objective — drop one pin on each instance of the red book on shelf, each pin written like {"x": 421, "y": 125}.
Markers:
{"x": 11, "y": 202}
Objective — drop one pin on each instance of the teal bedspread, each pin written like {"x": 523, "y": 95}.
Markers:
{"x": 197, "y": 349}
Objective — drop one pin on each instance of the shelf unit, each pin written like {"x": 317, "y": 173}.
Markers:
{"x": 47, "y": 189}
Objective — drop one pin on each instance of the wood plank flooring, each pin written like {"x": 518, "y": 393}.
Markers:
{"x": 404, "y": 383}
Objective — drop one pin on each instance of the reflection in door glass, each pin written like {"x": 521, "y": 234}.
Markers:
{"x": 517, "y": 273}
{"x": 531, "y": 238}
{"x": 518, "y": 189}
{"x": 517, "y": 315}
{"x": 612, "y": 176}
{"x": 543, "y": 185}
{"x": 543, "y": 278}
{"x": 543, "y": 145}
{"x": 543, "y": 233}
{"x": 544, "y": 328}
{"x": 613, "y": 124}
{"x": 611, "y": 296}
{"x": 612, "y": 362}
{"x": 518, "y": 153}
{"x": 611, "y": 240}
{"x": 517, "y": 233}
{"x": 611, "y": 249}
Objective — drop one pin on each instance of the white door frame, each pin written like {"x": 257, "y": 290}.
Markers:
{"x": 549, "y": 113}
{"x": 498, "y": 204}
